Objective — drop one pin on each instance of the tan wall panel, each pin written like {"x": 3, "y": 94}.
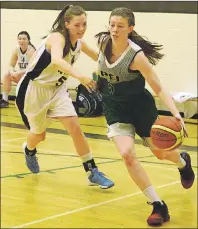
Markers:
{"x": 177, "y": 32}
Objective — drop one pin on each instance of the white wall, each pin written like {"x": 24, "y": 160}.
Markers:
{"x": 177, "y": 32}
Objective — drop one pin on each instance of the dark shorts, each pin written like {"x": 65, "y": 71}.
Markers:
{"x": 139, "y": 110}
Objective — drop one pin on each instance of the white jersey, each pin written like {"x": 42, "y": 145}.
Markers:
{"x": 41, "y": 70}
{"x": 23, "y": 58}
{"x": 41, "y": 94}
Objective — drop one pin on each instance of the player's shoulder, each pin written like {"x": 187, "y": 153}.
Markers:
{"x": 16, "y": 51}
{"x": 81, "y": 43}
{"x": 56, "y": 36}
{"x": 134, "y": 46}
{"x": 140, "y": 58}
{"x": 31, "y": 49}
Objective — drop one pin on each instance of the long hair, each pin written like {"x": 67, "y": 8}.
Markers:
{"x": 28, "y": 37}
{"x": 151, "y": 50}
{"x": 65, "y": 16}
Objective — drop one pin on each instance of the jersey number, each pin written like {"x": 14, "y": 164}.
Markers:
{"x": 61, "y": 80}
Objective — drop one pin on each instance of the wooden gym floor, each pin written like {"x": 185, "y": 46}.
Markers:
{"x": 59, "y": 197}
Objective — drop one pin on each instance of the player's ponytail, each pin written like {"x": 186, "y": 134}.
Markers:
{"x": 59, "y": 24}
{"x": 151, "y": 50}
{"x": 104, "y": 43}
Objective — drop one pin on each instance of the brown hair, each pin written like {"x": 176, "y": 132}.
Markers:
{"x": 151, "y": 50}
{"x": 65, "y": 16}
{"x": 28, "y": 37}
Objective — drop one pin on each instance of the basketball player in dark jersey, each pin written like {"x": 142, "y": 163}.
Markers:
{"x": 125, "y": 61}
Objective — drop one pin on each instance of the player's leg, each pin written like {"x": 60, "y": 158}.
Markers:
{"x": 182, "y": 161}
{"x": 35, "y": 136}
{"x": 34, "y": 117}
{"x": 145, "y": 117}
{"x": 29, "y": 149}
{"x": 123, "y": 137}
{"x": 6, "y": 90}
{"x": 65, "y": 112}
{"x": 82, "y": 148}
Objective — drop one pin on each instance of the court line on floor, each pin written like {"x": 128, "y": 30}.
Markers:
{"x": 110, "y": 160}
{"x": 21, "y": 175}
{"x": 88, "y": 135}
{"x": 6, "y": 131}
{"x": 90, "y": 206}
{"x": 13, "y": 139}
{"x": 74, "y": 155}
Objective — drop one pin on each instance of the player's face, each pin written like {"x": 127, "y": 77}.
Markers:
{"x": 23, "y": 40}
{"x": 119, "y": 28}
{"x": 77, "y": 26}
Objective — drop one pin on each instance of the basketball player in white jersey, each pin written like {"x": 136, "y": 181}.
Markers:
{"x": 124, "y": 65}
{"x": 42, "y": 92}
{"x": 18, "y": 64}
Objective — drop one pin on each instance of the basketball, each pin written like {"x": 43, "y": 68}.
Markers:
{"x": 167, "y": 133}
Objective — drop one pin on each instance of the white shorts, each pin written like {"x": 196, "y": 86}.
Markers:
{"x": 121, "y": 129}
{"x": 43, "y": 103}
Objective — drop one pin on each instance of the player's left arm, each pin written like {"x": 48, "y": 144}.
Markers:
{"x": 89, "y": 51}
{"x": 142, "y": 64}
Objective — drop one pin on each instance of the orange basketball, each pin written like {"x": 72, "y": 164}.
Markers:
{"x": 167, "y": 133}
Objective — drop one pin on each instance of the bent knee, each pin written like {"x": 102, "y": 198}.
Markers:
{"x": 7, "y": 76}
{"x": 41, "y": 136}
{"x": 128, "y": 157}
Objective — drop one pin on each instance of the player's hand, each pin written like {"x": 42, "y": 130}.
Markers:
{"x": 15, "y": 77}
{"x": 12, "y": 73}
{"x": 88, "y": 82}
{"x": 178, "y": 116}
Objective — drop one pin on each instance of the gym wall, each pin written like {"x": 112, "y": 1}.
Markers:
{"x": 172, "y": 24}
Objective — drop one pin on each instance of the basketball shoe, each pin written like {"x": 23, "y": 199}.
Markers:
{"x": 31, "y": 159}
{"x": 4, "y": 103}
{"x": 187, "y": 175}
{"x": 159, "y": 214}
{"x": 98, "y": 178}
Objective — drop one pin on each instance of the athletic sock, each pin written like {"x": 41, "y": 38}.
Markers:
{"x": 30, "y": 152}
{"x": 181, "y": 164}
{"x": 88, "y": 163}
{"x": 5, "y": 96}
{"x": 152, "y": 195}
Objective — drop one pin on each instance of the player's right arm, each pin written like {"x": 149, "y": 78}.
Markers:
{"x": 142, "y": 64}
{"x": 56, "y": 44}
{"x": 13, "y": 61}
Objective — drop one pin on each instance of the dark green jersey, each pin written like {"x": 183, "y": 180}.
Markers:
{"x": 116, "y": 79}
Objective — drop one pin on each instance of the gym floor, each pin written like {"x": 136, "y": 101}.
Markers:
{"x": 59, "y": 197}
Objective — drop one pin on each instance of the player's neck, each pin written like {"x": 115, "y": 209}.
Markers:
{"x": 119, "y": 47}
{"x": 23, "y": 49}
{"x": 73, "y": 42}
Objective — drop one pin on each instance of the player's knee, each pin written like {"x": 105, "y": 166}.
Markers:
{"x": 75, "y": 129}
{"x": 160, "y": 154}
{"x": 7, "y": 76}
{"x": 41, "y": 137}
{"x": 128, "y": 157}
